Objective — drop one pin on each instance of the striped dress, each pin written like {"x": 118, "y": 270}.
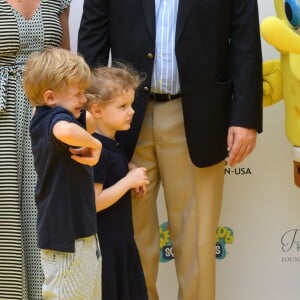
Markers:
{"x": 21, "y": 275}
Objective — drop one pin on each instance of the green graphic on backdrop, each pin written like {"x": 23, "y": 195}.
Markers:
{"x": 224, "y": 235}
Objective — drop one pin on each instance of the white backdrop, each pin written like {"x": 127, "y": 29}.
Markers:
{"x": 261, "y": 207}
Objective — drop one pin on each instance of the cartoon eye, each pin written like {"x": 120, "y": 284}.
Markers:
{"x": 292, "y": 11}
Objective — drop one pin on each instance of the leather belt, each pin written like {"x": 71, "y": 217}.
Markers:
{"x": 164, "y": 97}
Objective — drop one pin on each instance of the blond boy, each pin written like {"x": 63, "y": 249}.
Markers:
{"x": 64, "y": 151}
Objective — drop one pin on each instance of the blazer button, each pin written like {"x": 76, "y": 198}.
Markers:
{"x": 146, "y": 89}
{"x": 150, "y": 55}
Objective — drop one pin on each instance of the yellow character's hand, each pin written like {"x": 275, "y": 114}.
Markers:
{"x": 272, "y": 86}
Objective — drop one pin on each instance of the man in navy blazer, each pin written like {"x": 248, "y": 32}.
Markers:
{"x": 201, "y": 102}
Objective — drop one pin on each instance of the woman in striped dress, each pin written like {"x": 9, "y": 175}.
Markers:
{"x": 26, "y": 26}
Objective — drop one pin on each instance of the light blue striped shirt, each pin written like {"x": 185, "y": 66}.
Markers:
{"x": 165, "y": 77}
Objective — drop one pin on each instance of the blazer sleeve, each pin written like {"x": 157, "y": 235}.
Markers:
{"x": 93, "y": 34}
{"x": 246, "y": 66}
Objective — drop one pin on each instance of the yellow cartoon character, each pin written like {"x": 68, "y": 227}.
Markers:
{"x": 281, "y": 78}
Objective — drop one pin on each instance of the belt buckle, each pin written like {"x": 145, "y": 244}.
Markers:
{"x": 164, "y": 97}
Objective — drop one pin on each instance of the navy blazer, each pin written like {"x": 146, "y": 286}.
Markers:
{"x": 219, "y": 59}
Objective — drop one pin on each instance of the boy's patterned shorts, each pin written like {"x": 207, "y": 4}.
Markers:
{"x": 73, "y": 276}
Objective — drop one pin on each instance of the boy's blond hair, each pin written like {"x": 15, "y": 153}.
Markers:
{"x": 107, "y": 83}
{"x": 53, "y": 69}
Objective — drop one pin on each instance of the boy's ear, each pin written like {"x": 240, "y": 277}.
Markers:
{"x": 48, "y": 97}
{"x": 96, "y": 109}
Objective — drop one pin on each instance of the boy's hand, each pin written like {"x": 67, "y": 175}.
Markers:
{"x": 131, "y": 166}
{"x": 85, "y": 155}
{"x": 141, "y": 191}
{"x": 138, "y": 180}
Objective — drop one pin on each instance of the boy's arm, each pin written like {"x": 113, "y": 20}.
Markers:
{"x": 107, "y": 197}
{"x": 75, "y": 136}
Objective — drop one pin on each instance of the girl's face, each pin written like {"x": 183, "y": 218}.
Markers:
{"x": 116, "y": 115}
{"x": 72, "y": 98}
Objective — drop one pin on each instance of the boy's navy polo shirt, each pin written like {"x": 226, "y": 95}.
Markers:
{"x": 64, "y": 193}
{"x": 111, "y": 167}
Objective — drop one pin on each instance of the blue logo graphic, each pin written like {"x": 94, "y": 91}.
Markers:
{"x": 166, "y": 250}
{"x": 224, "y": 235}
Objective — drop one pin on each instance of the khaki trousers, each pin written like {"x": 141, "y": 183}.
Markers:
{"x": 193, "y": 199}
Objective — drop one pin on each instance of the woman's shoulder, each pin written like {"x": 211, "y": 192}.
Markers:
{"x": 59, "y": 5}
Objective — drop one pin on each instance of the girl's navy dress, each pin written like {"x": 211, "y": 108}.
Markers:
{"x": 122, "y": 274}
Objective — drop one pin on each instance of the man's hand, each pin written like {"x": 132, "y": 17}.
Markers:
{"x": 240, "y": 143}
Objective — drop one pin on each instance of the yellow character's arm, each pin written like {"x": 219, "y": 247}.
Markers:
{"x": 272, "y": 85}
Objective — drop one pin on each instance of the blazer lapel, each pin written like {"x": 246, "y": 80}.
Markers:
{"x": 184, "y": 8}
{"x": 149, "y": 11}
